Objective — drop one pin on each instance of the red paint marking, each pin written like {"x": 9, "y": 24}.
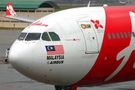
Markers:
{"x": 74, "y": 88}
{"x": 10, "y": 10}
{"x": 96, "y": 24}
{"x": 15, "y": 86}
{"x": 38, "y": 23}
{"x": 74, "y": 39}
{"x": 117, "y": 20}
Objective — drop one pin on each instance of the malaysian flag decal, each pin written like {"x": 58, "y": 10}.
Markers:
{"x": 54, "y": 49}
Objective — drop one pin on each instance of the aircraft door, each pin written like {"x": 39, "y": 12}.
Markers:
{"x": 90, "y": 37}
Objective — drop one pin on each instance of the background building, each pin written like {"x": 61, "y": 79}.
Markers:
{"x": 130, "y": 2}
{"x": 26, "y": 8}
{"x": 84, "y": 1}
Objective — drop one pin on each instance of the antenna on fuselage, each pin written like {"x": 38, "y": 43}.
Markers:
{"x": 105, "y": 5}
{"x": 89, "y": 4}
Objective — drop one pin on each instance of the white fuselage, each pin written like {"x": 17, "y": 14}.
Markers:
{"x": 83, "y": 47}
{"x": 79, "y": 57}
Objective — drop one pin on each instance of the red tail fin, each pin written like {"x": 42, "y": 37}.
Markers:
{"x": 10, "y": 10}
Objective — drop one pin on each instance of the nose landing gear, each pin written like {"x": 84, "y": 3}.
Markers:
{"x": 4, "y": 59}
{"x": 64, "y": 88}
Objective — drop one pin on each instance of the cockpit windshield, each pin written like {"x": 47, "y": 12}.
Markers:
{"x": 22, "y": 36}
{"x": 33, "y": 36}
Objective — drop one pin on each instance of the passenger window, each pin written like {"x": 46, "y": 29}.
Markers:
{"x": 22, "y": 36}
{"x": 126, "y": 35}
{"x": 113, "y": 35}
{"x": 118, "y": 36}
{"x": 122, "y": 35}
{"x": 33, "y": 36}
{"x": 45, "y": 37}
{"x": 54, "y": 36}
{"x": 109, "y": 36}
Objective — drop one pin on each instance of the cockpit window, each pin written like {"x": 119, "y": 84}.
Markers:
{"x": 48, "y": 36}
{"x": 22, "y": 36}
{"x": 54, "y": 36}
{"x": 33, "y": 36}
{"x": 45, "y": 37}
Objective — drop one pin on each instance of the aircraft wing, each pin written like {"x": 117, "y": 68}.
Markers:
{"x": 29, "y": 20}
{"x": 10, "y": 13}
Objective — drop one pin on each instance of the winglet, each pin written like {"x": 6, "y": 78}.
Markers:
{"x": 10, "y": 10}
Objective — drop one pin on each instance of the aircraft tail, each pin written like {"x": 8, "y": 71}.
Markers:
{"x": 10, "y": 10}
{"x": 10, "y": 13}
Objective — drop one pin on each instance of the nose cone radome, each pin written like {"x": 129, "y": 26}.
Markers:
{"x": 12, "y": 57}
{"x": 20, "y": 56}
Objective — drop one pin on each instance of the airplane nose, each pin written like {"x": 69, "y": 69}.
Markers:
{"x": 20, "y": 55}
{"x": 12, "y": 57}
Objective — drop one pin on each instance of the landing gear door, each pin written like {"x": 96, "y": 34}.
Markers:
{"x": 91, "y": 43}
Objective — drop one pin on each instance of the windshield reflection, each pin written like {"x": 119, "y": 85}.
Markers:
{"x": 22, "y": 36}
{"x": 33, "y": 36}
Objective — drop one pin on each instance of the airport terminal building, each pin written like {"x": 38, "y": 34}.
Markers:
{"x": 130, "y": 2}
{"x": 26, "y": 8}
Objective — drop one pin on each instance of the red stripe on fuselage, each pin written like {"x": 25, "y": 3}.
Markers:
{"x": 118, "y": 21}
